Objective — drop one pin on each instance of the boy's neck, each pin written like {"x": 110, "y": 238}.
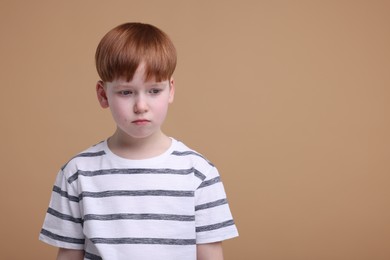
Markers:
{"x": 138, "y": 148}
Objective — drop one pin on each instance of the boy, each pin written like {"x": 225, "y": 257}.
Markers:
{"x": 138, "y": 195}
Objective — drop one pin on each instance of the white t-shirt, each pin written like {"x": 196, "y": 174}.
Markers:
{"x": 157, "y": 208}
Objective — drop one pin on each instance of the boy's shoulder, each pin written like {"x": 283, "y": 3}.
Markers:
{"x": 94, "y": 151}
{"x": 190, "y": 158}
{"x": 184, "y": 151}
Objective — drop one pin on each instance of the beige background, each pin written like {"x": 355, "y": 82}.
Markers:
{"x": 290, "y": 99}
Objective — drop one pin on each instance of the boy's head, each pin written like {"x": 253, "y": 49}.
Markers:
{"x": 124, "y": 48}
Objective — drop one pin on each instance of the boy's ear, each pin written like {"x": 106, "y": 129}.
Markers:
{"x": 171, "y": 90}
{"x": 101, "y": 94}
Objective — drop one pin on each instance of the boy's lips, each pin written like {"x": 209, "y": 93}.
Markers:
{"x": 140, "y": 121}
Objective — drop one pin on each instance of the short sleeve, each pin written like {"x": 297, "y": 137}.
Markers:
{"x": 213, "y": 218}
{"x": 63, "y": 224}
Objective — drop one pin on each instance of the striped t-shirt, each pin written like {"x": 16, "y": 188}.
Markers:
{"x": 157, "y": 208}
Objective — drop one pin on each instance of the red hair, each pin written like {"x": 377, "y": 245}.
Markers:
{"x": 125, "y": 47}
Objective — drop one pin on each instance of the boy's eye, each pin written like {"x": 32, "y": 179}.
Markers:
{"x": 125, "y": 92}
{"x": 154, "y": 91}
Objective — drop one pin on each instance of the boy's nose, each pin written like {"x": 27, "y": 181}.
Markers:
{"x": 140, "y": 106}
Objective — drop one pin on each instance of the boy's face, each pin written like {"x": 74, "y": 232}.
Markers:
{"x": 138, "y": 107}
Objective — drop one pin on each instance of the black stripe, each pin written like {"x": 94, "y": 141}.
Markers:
{"x": 114, "y": 193}
{"x": 129, "y": 171}
{"x": 199, "y": 175}
{"x": 73, "y": 178}
{"x": 210, "y": 182}
{"x": 89, "y": 154}
{"x": 62, "y": 238}
{"x": 137, "y": 171}
{"x": 211, "y": 204}
{"x": 144, "y": 241}
{"x": 185, "y": 153}
{"x": 139, "y": 217}
{"x": 64, "y": 216}
{"x": 65, "y": 194}
{"x": 92, "y": 256}
{"x": 215, "y": 226}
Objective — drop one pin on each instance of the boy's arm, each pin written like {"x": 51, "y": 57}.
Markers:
{"x": 211, "y": 251}
{"x": 70, "y": 254}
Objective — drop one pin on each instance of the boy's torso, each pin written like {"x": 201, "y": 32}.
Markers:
{"x": 158, "y": 208}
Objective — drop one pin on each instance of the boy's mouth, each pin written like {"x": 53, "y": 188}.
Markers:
{"x": 140, "y": 121}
